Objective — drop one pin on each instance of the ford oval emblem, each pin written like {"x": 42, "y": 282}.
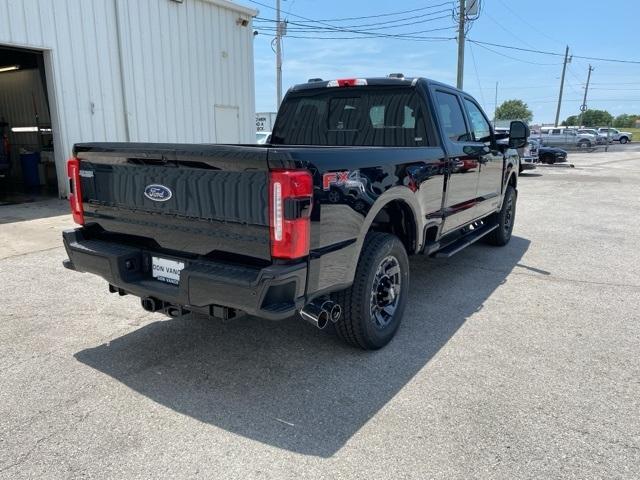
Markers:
{"x": 157, "y": 193}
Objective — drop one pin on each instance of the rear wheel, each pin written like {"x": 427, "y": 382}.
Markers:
{"x": 505, "y": 219}
{"x": 374, "y": 305}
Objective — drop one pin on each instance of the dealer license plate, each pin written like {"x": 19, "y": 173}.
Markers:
{"x": 166, "y": 270}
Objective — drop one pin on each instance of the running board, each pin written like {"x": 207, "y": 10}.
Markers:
{"x": 463, "y": 242}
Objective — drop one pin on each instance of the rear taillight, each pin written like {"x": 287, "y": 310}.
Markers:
{"x": 75, "y": 190}
{"x": 290, "y": 196}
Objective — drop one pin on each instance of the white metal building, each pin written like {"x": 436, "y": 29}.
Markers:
{"x": 127, "y": 70}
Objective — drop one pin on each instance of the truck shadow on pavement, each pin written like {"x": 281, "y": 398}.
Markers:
{"x": 288, "y": 385}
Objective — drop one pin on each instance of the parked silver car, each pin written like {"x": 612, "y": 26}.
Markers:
{"x": 566, "y": 138}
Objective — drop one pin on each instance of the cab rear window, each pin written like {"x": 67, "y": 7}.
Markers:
{"x": 354, "y": 117}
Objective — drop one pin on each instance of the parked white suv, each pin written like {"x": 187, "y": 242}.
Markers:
{"x": 566, "y": 137}
{"x": 616, "y": 135}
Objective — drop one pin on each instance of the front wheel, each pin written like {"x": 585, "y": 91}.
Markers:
{"x": 583, "y": 144}
{"x": 373, "y": 306}
{"x": 505, "y": 219}
{"x": 623, "y": 140}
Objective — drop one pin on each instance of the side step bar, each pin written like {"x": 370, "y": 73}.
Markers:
{"x": 464, "y": 241}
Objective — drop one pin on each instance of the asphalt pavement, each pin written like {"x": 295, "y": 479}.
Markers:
{"x": 514, "y": 362}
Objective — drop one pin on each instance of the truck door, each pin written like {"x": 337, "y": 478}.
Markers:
{"x": 490, "y": 159}
{"x": 463, "y": 169}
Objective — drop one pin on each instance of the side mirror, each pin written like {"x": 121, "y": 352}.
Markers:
{"x": 518, "y": 134}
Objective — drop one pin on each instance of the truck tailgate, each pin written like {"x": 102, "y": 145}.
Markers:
{"x": 199, "y": 199}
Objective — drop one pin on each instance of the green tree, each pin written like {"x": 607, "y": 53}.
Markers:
{"x": 596, "y": 118}
{"x": 571, "y": 121}
{"x": 514, "y": 110}
{"x": 625, "y": 121}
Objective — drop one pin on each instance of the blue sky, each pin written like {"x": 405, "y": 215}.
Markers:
{"x": 594, "y": 29}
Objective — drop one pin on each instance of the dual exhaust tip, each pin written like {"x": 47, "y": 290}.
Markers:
{"x": 320, "y": 312}
{"x": 151, "y": 304}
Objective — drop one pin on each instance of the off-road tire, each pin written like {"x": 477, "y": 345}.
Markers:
{"x": 358, "y": 326}
{"x": 505, "y": 219}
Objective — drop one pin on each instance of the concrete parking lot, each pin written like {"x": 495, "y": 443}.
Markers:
{"x": 520, "y": 362}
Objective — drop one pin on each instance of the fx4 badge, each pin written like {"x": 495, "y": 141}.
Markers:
{"x": 334, "y": 178}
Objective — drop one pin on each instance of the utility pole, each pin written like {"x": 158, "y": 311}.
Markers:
{"x": 564, "y": 70}
{"x": 583, "y": 107}
{"x": 495, "y": 109}
{"x": 278, "y": 55}
{"x": 461, "y": 36}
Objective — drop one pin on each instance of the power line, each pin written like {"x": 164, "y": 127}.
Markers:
{"x": 574, "y": 75}
{"x": 521, "y": 88}
{"x": 390, "y": 37}
{"x": 303, "y": 27}
{"x": 614, "y": 83}
{"x": 507, "y": 30}
{"x": 475, "y": 67}
{"x": 397, "y": 20}
{"x": 510, "y": 57}
{"x": 365, "y": 33}
{"x": 542, "y": 52}
{"x": 332, "y": 29}
{"x": 533, "y": 27}
{"x": 615, "y": 89}
{"x": 406, "y": 35}
{"x": 543, "y": 100}
{"x": 385, "y": 14}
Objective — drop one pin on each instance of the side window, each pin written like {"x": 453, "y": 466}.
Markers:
{"x": 452, "y": 118}
{"x": 479, "y": 125}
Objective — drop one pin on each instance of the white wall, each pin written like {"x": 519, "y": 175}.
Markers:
{"x": 137, "y": 70}
{"x": 199, "y": 58}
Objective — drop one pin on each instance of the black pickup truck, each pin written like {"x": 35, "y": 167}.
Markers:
{"x": 358, "y": 174}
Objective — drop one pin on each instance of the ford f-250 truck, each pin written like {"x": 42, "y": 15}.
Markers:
{"x": 359, "y": 174}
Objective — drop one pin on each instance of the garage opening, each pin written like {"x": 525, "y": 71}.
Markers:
{"x": 27, "y": 166}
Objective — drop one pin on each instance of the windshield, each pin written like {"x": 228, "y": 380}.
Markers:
{"x": 352, "y": 117}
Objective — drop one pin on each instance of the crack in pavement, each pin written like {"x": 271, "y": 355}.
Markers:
{"x": 25, "y": 456}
